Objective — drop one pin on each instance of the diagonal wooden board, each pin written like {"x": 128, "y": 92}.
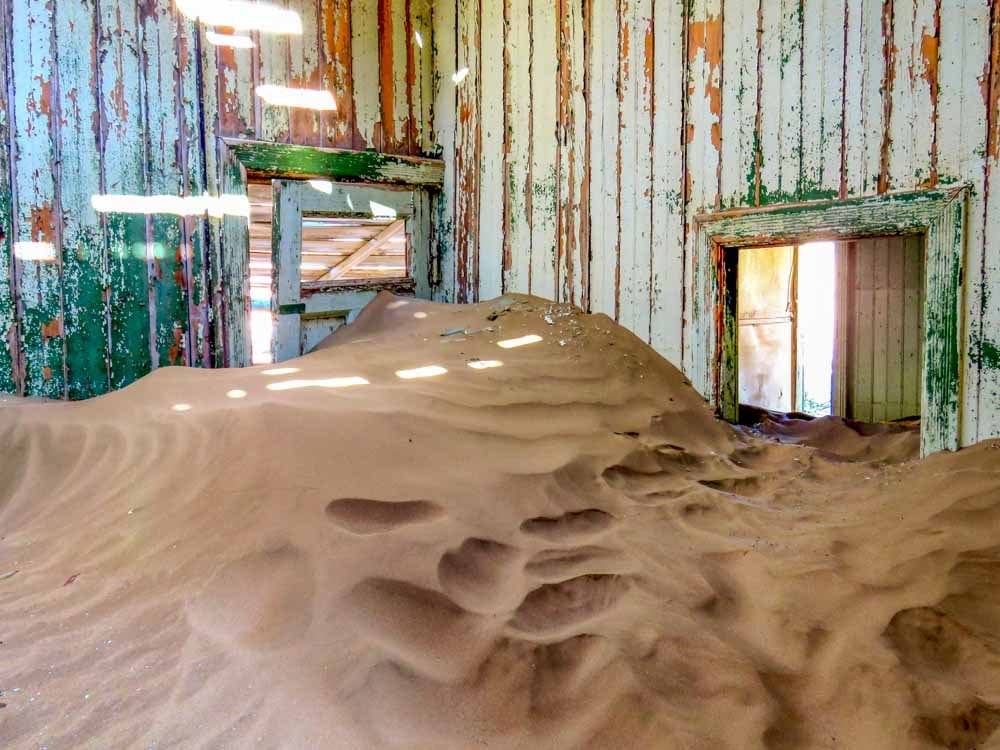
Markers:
{"x": 361, "y": 254}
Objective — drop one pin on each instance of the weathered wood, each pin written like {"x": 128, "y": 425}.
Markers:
{"x": 360, "y": 255}
{"x": 739, "y": 103}
{"x": 544, "y": 57}
{"x": 36, "y": 200}
{"x": 285, "y": 160}
{"x": 517, "y": 148}
{"x": 10, "y": 372}
{"x": 491, "y": 128}
{"x": 445, "y": 121}
{"x": 863, "y": 97}
{"x": 939, "y": 214}
{"x": 468, "y": 150}
{"x": 335, "y": 29}
{"x": 365, "y": 72}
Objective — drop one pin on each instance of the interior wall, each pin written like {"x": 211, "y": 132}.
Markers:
{"x": 883, "y": 308}
{"x": 588, "y": 134}
{"x": 130, "y": 97}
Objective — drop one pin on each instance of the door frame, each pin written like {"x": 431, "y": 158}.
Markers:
{"x": 937, "y": 214}
{"x": 243, "y": 161}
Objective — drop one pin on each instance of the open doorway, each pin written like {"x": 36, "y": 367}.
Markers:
{"x": 832, "y": 328}
{"x": 342, "y": 251}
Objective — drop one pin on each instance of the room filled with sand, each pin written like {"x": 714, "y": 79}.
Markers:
{"x": 503, "y": 525}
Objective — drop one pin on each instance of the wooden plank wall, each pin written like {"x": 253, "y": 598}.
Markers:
{"x": 884, "y": 314}
{"x": 129, "y": 98}
{"x": 623, "y": 119}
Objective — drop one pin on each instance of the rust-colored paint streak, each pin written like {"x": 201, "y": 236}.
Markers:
{"x": 991, "y": 87}
{"x": 387, "y": 88}
{"x": 43, "y": 222}
{"x": 305, "y": 124}
{"x": 563, "y": 202}
{"x": 230, "y": 121}
{"x": 709, "y": 34}
{"x": 47, "y": 372}
{"x": 176, "y": 350}
{"x": 929, "y": 53}
{"x": 888, "y": 79}
{"x": 53, "y": 329}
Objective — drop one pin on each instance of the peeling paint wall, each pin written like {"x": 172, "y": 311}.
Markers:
{"x": 612, "y": 123}
{"x": 121, "y": 97}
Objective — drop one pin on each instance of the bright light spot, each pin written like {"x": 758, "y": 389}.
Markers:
{"x": 181, "y": 407}
{"x": 280, "y": 371}
{"x": 288, "y": 385}
{"x": 418, "y": 39}
{"x": 350, "y": 203}
{"x": 236, "y": 393}
{"x": 286, "y": 96}
{"x": 485, "y": 364}
{"x": 419, "y": 315}
{"x": 323, "y": 186}
{"x": 460, "y": 75}
{"x": 397, "y": 304}
{"x": 523, "y": 341}
{"x": 243, "y": 15}
{"x": 229, "y": 40}
{"x": 381, "y": 212}
{"x": 421, "y": 372}
{"x": 179, "y": 205}
{"x": 817, "y": 327}
{"x": 41, "y": 251}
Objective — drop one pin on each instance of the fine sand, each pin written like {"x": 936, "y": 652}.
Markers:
{"x": 563, "y": 550}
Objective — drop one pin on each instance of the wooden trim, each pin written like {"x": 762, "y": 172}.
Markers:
{"x": 937, "y": 214}
{"x": 281, "y": 160}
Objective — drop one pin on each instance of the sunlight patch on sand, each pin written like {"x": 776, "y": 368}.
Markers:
{"x": 531, "y": 338}
{"x": 421, "y": 372}
{"x": 290, "y": 385}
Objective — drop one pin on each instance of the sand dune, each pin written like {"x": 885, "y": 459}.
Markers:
{"x": 546, "y": 545}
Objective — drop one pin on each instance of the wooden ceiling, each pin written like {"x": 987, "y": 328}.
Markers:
{"x": 333, "y": 248}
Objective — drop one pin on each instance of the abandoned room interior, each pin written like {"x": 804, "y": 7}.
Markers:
{"x": 500, "y": 373}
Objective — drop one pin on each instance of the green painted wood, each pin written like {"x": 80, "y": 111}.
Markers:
{"x": 939, "y": 214}
{"x": 36, "y": 207}
{"x": 83, "y": 260}
{"x": 232, "y": 282}
{"x": 122, "y": 172}
{"x": 336, "y": 164}
{"x": 9, "y": 374}
{"x": 166, "y": 249}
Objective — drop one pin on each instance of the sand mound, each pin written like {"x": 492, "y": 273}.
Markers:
{"x": 515, "y": 543}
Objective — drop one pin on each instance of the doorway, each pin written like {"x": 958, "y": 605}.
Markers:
{"x": 832, "y": 328}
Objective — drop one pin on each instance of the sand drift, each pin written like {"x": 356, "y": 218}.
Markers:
{"x": 505, "y": 525}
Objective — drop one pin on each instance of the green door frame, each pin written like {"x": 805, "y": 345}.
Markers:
{"x": 937, "y": 214}
{"x": 243, "y": 161}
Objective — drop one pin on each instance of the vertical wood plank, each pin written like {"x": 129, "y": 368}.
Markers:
{"x": 913, "y": 312}
{"x": 636, "y": 176}
{"x": 544, "y": 148}
{"x": 82, "y": 244}
{"x": 863, "y": 74}
{"x": 235, "y": 91}
{"x": 668, "y": 180}
{"x": 394, "y": 73}
{"x": 781, "y": 101}
{"x": 36, "y": 204}
{"x": 517, "y": 147}
{"x": 122, "y": 163}
{"x": 338, "y": 126}
{"x": 704, "y": 139}
{"x": 365, "y": 67}
{"x": 422, "y": 86}
{"x": 165, "y": 248}
{"x": 491, "y": 158}
{"x": 913, "y": 95}
{"x": 604, "y": 164}
{"x": 467, "y": 154}
{"x": 305, "y": 71}
{"x": 822, "y": 98}
{"x": 987, "y": 351}
{"x": 273, "y": 69}
{"x": 10, "y": 376}
{"x": 864, "y": 300}
{"x": 896, "y": 311}
{"x": 962, "y": 124}
{"x": 739, "y": 102}
{"x": 445, "y": 115}
{"x": 880, "y": 327}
